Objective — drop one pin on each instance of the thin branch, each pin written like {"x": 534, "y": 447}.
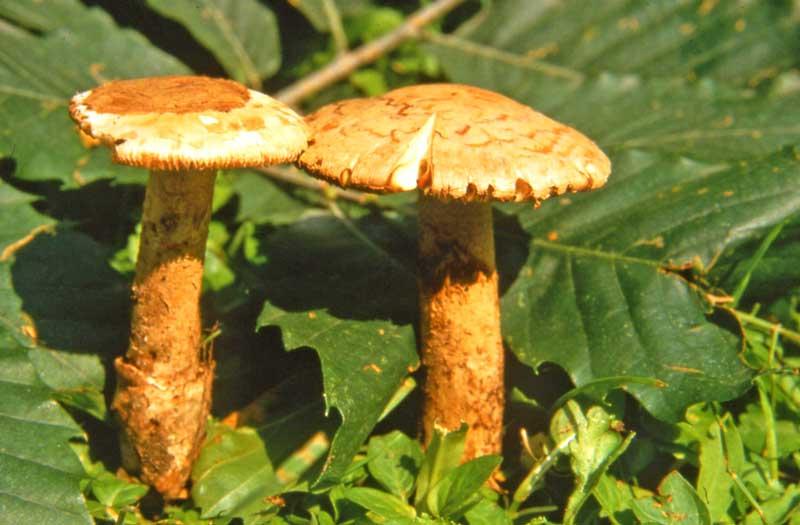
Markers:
{"x": 349, "y": 62}
{"x": 764, "y": 325}
{"x": 335, "y": 25}
{"x": 297, "y": 178}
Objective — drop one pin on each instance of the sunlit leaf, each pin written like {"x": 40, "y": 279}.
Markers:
{"x": 596, "y": 295}
{"x": 39, "y": 473}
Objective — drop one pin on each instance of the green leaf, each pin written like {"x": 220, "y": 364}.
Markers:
{"x": 602, "y": 289}
{"x": 39, "y": 473}
{"x": 374, "y": 22}
{"x": 617, "y": 498}
{"x": 777, "y": 510}
{"x": 774, "y": 270}
{"x": 238, "y": 469}
{"x": 109, "y": 495}
{"x": 594, "y": 449}
{"x": 41, "y": 308}
{"x": 752, "y": 427}
{"x": 317, "y": 13}
{"x": 241, "y": 34}
{"x": 354, "y": 311}
{"x": 381, "y": 503}
{"x": 721, "y": 457}
{"x": 394, "y": 462}
{"x": 114, "y": 492}
{"x": 76, "y": 48}
{"x": 457, "y": 490}
{"x": 233, "y": 474}
{"x": 740, "y": 42}
{"x": 486, "y": 512}
{"x": 21, "y": 223}
{"x": 677, "y": 503}
{"x": 38, "y": 308}
{"x": 443, "y": 455}
{"x": 46, "y": 329}
{"x": 262, "y": 201}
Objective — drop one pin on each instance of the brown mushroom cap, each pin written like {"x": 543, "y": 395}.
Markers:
{"x": 452, "y": 141}
{"x": 186, "y": 122}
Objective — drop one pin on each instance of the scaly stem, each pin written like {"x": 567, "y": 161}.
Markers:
{"x": 462, "y": 349}
{"x": 164, "y": 381}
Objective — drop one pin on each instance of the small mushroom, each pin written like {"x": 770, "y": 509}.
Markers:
{"x": 461, "y": 147}
{"x": 183, "y": 129}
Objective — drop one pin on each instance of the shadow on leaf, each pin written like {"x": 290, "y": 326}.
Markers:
{"x": 76, "y": 302}
{"x": 365, "y": 269}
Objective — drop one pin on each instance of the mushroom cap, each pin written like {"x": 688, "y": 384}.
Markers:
{"x": 451, "y": 141}
{"x": 189, "y": 122}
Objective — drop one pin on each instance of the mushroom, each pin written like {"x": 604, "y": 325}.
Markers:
{"x": 461, "y": 147}
{"x": 183, "y": 129}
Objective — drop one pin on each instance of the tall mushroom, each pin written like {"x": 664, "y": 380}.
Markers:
{"x": 182, "y": 129}
{"x": 461, "y": 147}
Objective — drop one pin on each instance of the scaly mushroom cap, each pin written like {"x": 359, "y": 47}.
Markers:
{"x": 452, "y": 141}
{"x": 185, "y": 122}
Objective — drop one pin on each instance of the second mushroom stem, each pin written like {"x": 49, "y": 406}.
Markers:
{"x": 462, "y": 349}
{"x": 164, "y": 381}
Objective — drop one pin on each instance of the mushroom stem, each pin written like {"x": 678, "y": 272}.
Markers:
{"x": 163, "y": 391}
{"x": 462, "y": 348}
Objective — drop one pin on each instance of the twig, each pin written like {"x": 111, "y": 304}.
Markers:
{"x": 297, "y": 178}
{"x": 335, "y": 25}
{"x": 352, "y": 60}
{"x": 764, "y": 325}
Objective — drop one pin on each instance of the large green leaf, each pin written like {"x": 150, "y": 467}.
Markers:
{"x": 74, "y": 48}
{"x": 345, "y": 296}
{"x": 241, "y": 34}
{"x": 39, "y": 473}
{"x": 58, "y": 301}
{"x": 743, "y": 42}
{"x": 596, "y": 294}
